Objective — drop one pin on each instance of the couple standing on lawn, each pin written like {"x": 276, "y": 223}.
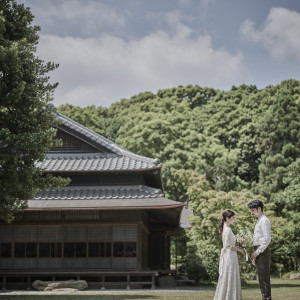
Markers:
{"x": 229, "y": 284}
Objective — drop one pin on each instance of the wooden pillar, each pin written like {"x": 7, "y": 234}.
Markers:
{"x": 4, "y": 282}
{"x": 128, "y": 282}
{"x": 153, "y": 282}
{"x": 103, "y": 282}
{"x": 28, "y": 282}
{"x": 139, "y": 249}
{"x": 176, "y": 254}
{"x": 168, "y": 251}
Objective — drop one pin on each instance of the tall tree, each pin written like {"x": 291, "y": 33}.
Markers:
{"x": 26, "y": 119}
{"x": 279, "y": 140}
{"x": 215, "y": 146}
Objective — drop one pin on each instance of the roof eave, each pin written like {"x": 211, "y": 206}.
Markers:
{"x": 104, "y": 171}
{"x": 179, "y": 205}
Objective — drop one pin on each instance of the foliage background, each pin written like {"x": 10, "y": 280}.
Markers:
{"x": 26, "y": 119}
{"x": 219, "y": 149}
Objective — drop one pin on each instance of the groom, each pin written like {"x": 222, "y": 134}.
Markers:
{"x": 262, "y": 254}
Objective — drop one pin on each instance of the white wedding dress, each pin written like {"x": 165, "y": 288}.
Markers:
{"x": 229, "y": 284}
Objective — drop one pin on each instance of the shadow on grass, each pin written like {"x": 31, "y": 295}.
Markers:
{"x": 71, "y": 297}
{"x": 284, "y": 285}
{"x": 255, "y": 285}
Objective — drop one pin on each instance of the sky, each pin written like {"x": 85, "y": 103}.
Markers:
{"x": 108, "y": 50}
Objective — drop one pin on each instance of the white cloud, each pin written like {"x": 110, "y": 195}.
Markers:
{"x": 189, "y": 2}
{"x": 76, "y": 17}
{"x": 104, "y": 69}
{"x": 279, "y": 34}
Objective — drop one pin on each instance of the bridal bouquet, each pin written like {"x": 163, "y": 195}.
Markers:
{"x": 245, "y": 239}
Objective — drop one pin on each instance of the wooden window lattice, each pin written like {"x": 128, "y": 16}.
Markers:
{"x": 72, "y": 144}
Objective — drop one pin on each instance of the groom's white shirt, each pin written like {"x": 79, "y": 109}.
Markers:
{"x": 262, "y": 234}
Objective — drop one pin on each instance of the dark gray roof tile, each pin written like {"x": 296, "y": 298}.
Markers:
{"x": 99, "y": 192}
{"x": 134, "y": 159}
{"x": 66, "y": 162}
{"x": 102, "y": 197}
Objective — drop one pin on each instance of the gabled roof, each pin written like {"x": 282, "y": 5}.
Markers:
{"x": 116, "y": 157}
{"x": 79, "y": 154}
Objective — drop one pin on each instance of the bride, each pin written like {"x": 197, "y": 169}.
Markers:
{"x": 229, "y": 284}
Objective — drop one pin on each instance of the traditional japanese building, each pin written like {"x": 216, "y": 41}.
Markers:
{"x": 112, "y": 219}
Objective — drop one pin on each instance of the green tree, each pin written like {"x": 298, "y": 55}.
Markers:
{"x": 231, "y": 118}
{"x": 278, "y": 141}
{"x": 203, "y": 239}
{"x": 99, "y": 119}
{"x": 218, "y": 148}
{"x": 26, "y": 119}
{"x": 289, "y": 202}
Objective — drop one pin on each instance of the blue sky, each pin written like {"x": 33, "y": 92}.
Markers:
{"x": 114, "y": 49}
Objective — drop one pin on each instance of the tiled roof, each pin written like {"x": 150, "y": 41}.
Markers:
{"x": 121, "y": 156}
{"x": 67, "y": 162}
{"x": 102, "y": 197}
{"x": 88, "y": 133}
{"x": 99, "y": 192}
{"x": 104, "y": 204}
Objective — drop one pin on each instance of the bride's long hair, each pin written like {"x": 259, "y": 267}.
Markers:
{"x": 227, "y": 213}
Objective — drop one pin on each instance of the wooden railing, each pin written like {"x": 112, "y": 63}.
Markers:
{"x": 102, "y": 275}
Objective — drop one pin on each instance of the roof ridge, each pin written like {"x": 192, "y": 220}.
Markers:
{"x": 103, "y": 141}
{"x": 106, "y": 187}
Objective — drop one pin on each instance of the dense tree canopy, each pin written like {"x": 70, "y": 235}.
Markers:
{"x": 220, "y": 149}
{"x": 26, "y": 119}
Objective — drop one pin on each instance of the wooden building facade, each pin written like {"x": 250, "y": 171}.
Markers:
{"x": 111, "y": 219}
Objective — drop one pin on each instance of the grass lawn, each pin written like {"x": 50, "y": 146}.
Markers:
{"x": 281, "y": 289}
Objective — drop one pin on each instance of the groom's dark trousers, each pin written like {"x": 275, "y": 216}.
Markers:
{"x": 263, "y": 270}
